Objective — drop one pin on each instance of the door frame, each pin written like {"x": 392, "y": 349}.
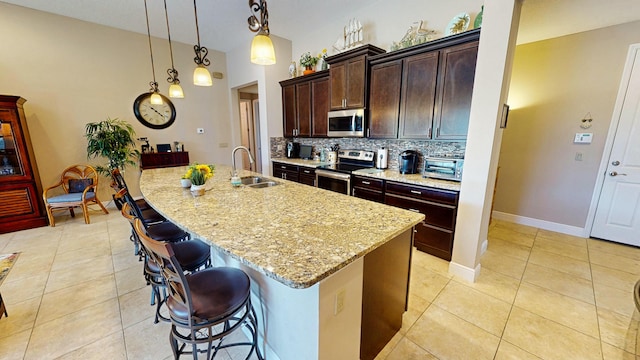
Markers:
{"x": 634, "y": 50}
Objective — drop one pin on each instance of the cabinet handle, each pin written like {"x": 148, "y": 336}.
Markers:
{"x": 368, "y": 132}
{"x": 414, "y": 210}
{"x": 438, "y": 131}
{"x": 282, "y": 167}
{"x": 416, "y": 192}
{"x": 429, "y": 133}
{"x": 306, "y": 171}
{"x": 284, "y": 175}
{"x": 366, "y": 182}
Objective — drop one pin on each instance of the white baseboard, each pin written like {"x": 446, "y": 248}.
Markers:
{"x": 541, "y": 224}
{"x": 463, "y": 272}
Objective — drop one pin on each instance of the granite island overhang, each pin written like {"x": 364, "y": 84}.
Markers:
{"x": 298, "y": 244}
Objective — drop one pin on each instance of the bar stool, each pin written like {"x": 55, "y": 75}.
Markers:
{"x": 204, "y": 306}
{"x": 118, "y": 183}
{"x": 192, "y": 254}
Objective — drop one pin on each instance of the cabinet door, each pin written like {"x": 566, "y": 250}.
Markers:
{"x": 455, "y": 78}
{"x": 384, "y": 99}
{"x": 289, "y": 109}
{"x": 320, "y": 107}
{"x": 303, "y": 108}
{"x": 356, "y": 82}
{"x": 338, "y": 76}
{"x": 418, "y": 96}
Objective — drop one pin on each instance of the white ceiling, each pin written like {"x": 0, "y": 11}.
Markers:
{"x": 223, "y": 23}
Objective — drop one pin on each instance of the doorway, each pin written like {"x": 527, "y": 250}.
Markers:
{"x": 250, "y": 126}
{"x": 617, "y": 214}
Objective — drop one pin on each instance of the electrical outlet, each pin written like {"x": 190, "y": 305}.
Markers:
{"x": 578, "y": 156}
{"x": 200, "y": 130}
{"x": 339, "y": 304}
{"x": 279, "y": 147}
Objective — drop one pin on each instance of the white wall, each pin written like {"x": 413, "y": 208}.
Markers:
{"x": 555, "y": 84}
{"x": 73, "y": 72}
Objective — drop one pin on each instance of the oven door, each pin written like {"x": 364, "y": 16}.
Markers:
{"x": 334, "y": 181}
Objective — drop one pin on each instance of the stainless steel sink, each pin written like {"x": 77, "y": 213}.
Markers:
{"x": 247, "y": 180}
{"x": 257, "y": 182}
{"x": 263, "y": 184}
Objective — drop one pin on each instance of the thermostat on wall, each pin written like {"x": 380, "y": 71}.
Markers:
{"x": 583, "y": 138}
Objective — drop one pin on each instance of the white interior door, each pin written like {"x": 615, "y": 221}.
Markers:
{"x": 617, "y": 215}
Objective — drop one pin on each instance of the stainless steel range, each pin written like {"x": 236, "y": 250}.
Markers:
{"x": 337, "y": 177}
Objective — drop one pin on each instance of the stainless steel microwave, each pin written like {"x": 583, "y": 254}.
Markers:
{"x": 346, "y": 123}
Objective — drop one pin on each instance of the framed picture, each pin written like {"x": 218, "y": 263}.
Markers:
{"x": 505, "y": 116}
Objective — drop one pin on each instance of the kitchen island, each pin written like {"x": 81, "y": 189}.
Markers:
{"x": 323, "y": 265}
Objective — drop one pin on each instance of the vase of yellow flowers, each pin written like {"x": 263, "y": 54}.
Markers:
{"x": 323, "y": 60}
{"x": 198, "y": 174}
{"x": 308, "y": 62}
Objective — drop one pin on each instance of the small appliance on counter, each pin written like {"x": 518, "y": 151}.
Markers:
{"x": 305, "y": 152}
{"x": 293, "y": 150}
{"x": 443, "y": 168}
{"x": 381, "y": 158}
{"x": 408, "y": 162}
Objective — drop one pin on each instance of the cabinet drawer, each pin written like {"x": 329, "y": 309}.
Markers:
{"x": 364, "y": 193}
{"x": 443, "y": 216}
{"x": 434, "y": 241}
{"x": 305, "y": 171}
{"x": 369, "y": 183}
{"x": 423, "y": 193}
{"x": 285, "y": 167}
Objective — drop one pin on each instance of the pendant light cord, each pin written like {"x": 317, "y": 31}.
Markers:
{"x": 154, "y": 84}
{"x": 195, "y": 10}
{"x": 166, "y": 15}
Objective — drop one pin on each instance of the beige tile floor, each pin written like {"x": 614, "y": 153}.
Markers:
{"x": 77, "y": 292}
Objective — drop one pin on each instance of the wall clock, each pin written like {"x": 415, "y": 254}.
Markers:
{"x": 152, "y": 115}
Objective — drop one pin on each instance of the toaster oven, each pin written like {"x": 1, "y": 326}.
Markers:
{"x": 443, "y": 168}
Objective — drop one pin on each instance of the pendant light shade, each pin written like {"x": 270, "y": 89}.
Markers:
{"x": 202, "y": 76}
{"x": 156, "y": 99}
{"x": 175, "y": 91}
{"x": 262, "y": 52}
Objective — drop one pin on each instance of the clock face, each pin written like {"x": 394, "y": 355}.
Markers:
{"x": 152, "y": 115}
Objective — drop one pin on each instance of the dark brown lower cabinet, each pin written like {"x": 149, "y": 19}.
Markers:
{"x": 302, "y": 174}
{"x": 307, "y": 176}
{"x": 368, "y": 188}
{"x": 164, "y": 159}
{"x": 435, "y": 234}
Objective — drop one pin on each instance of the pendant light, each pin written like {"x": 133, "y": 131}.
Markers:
{"x": 201, "y": 75}
{"x": 262, "y": 52}
{"x": 175, "y": 90}
{"x": 155, "y": 97}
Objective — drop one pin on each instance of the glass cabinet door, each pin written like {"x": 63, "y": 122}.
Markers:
{"x": 9, "y": 153}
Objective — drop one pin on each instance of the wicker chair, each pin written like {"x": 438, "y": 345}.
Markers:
{"x": 77, "y": 188}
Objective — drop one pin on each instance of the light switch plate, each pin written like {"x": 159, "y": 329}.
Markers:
{"x": 583, "y": 138}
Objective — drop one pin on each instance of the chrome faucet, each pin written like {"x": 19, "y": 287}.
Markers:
{"x": 233, "y": 159}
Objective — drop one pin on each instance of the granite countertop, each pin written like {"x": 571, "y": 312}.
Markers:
{"x": 300, "y": 162}
{"x": 293, "y": 233}
{"x": 386, "y": 174}
{"x": 416, "y": 179}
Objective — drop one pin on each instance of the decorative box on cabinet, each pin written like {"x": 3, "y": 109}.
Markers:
{"x": 305, "y": 105}
{"x": 435, "y": 234}
{"x": 424, "y": 92}
{"x": 163, "y": 159}
{"x": 348, "y": 75}
{"x": 21, "y": 205}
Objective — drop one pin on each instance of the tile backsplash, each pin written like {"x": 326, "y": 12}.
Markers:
{"x": 395, "y": 147}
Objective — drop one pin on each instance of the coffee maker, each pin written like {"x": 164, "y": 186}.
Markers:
{"x": 293, "y": 150}
{"x": 408, "y": 162}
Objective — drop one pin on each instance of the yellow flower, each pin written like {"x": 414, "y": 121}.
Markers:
{"x": 199, "y": 173}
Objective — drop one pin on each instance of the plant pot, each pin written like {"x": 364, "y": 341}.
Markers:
{"x": 185, "y": 183}
{"x": 197, "y": 190}
{"x": 308, "y": 70}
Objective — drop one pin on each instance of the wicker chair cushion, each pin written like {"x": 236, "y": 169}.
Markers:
{"x": 71, "y": 197}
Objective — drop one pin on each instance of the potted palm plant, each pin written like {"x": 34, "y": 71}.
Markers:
{"x": 113, "y": 140}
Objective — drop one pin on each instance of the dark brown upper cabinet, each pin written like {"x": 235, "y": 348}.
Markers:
{"x": 348, "y": 74}
{"x": 304, "y": 102}
{"x": 320, "y": 94}
{"x": 424, "y": 92}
